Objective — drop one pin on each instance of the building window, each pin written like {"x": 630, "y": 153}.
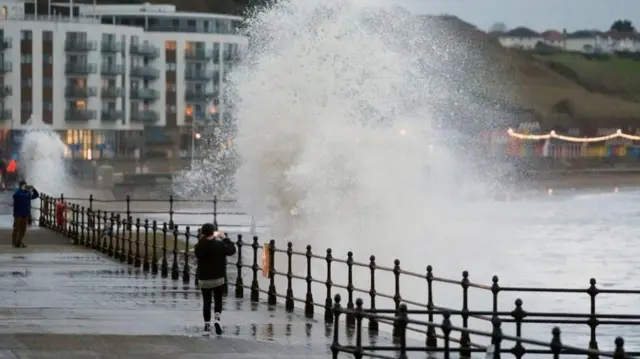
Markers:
{"x": 170, "y": 45}
{"x": 170, "y": 66}
{"x": 26, "y": 82}
{"x": 25, "y": 35}
{"x": 25, "y": 59}
{"x": 81, "y": 105}
{"x": 47, "y": 106}
{"x": 5, "y": 11}
{"x": 47, "y": 59}
{"x": 189, "y": 110}
{"x": 47, "y": 82}
{"x": 47, "y": 35}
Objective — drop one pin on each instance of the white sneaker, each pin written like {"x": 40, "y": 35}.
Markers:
{"x": 216, "y": 324}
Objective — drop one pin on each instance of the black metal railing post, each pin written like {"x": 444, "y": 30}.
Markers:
{"x": 215, "y": 211}
{"x": 186, "y": 270}
{"x": 128, "y": 210}
{"x": 592, "y": 322}
{"x": 112, "y": 222}
{"x": 308, "y": 300}
{"x": 175, "y": 269}
{"x": 171, "y": 213}
{"x": 239, "y": 282}
{"x": 373, "y": 323}
{"x": 165, "y": 263}
{"x": 154, "y": 249}
{"x": 335, "y": 312}
{"x": 518, "y": 315}
{"x": 288, "y": 303}
{"x": 351, "y": 319}
{"x": 255, "y": 287}
{"x": 328, "y": 305}
{"x": 272, "y": 295}
{"x": 432, "y": 339}
{"x": 465, "y": 340}
{"x": 137, "y": 262}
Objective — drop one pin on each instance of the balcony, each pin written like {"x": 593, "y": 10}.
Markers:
{"x": 5, "y": 91}
{"x": 198, "y": 75}
{"x": 112, "y": 46}
{"x": 144, "y": 94}
{"x": 111, "y": 70}
{"x": 5, "y": 67}
{"x": 198, "y": 95}
{"x": 145, "y": 72}
{"x": 76, "y": 45}
{"x": 5, "y": 43}
{"x": 146, "y": 50}
{"x": 145, "y": 116}
{"x": 197, "y": 55}
{"x": 80, "y": 92}
{"x": 111, "y": 115}
{"x": 80, "y": 69}
{"x": 5, "y": 114}
{"x": 79, "y": 115}
{"x": 112, "y": 92}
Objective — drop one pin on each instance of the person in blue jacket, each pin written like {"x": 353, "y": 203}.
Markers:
{"x": 22, "y": 212}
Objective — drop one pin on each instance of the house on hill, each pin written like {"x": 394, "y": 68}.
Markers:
{"x": 520, "y": 37}
{"x": 553, "y": 38}
{"x": 587, "y": 41}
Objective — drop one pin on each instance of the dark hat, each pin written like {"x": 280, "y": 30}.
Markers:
{"x": 22, "y": 183}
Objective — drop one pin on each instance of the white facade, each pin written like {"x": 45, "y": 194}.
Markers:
{"x": 525, "y": 43}
{"x": 148, "y": 74}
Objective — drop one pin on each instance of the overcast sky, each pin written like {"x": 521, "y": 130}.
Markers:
{"x": 539, "y": 15}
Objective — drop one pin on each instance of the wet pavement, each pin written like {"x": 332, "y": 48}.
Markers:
{"x": 59, "y": 300}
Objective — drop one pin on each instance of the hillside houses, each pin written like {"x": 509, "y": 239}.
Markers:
{"x": 587, "y": 41}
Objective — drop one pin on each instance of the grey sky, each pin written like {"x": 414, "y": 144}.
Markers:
{"x": 539, "y": 15}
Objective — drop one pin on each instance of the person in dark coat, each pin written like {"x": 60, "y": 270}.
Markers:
{"x": 22, "y": 212}
{"x": 211, "y": 251}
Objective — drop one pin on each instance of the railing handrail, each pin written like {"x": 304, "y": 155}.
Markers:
{"x": 85, "y": 223}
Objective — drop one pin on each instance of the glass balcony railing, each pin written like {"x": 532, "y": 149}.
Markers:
{"x": 198, "y": 75}
{"x": 145, "y": 72}
{"x": 112, "y": 46}
{"x": 111, "y": 70}
{"x": 144, "y": 94}
{"x": 5, "y": 91}
{"x": 5, "y": 67}
{"x": 79, "y": 115}
{"x": 146, "y": 50}
{"x": 80, "y": 69}
{"x": 112, "y": 92}
{"x": 144, "y": 116}
{"x": 80, "y": 92}
{"x": 111, "y": 115}
{"x": 74, "y": 45}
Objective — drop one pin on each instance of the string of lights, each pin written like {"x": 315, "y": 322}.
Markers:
{"x": 553, "y": 134}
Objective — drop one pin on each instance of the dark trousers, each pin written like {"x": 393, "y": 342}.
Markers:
{"x": 209, "y": 294}
{"x": 19, "y": 229}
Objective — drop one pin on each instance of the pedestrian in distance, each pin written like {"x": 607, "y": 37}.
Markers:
{"x": 211, "y": 251}
{"x": 22, "y": 198}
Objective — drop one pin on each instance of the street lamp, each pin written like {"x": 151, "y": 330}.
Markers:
{"x": 212, "y": 110}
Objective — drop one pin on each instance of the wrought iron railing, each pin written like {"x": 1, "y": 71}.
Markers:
{"x": 312, "y": 278}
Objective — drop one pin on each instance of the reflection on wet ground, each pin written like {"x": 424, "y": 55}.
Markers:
{"x": 66, "y": 291}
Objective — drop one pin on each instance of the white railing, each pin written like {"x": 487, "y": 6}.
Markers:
{"x": 53, "y": 18}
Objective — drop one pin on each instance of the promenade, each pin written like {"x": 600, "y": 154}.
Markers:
{"x": 63, "y": 301}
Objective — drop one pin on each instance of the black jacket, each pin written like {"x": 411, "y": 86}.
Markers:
{"x": 212, "y": 257}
